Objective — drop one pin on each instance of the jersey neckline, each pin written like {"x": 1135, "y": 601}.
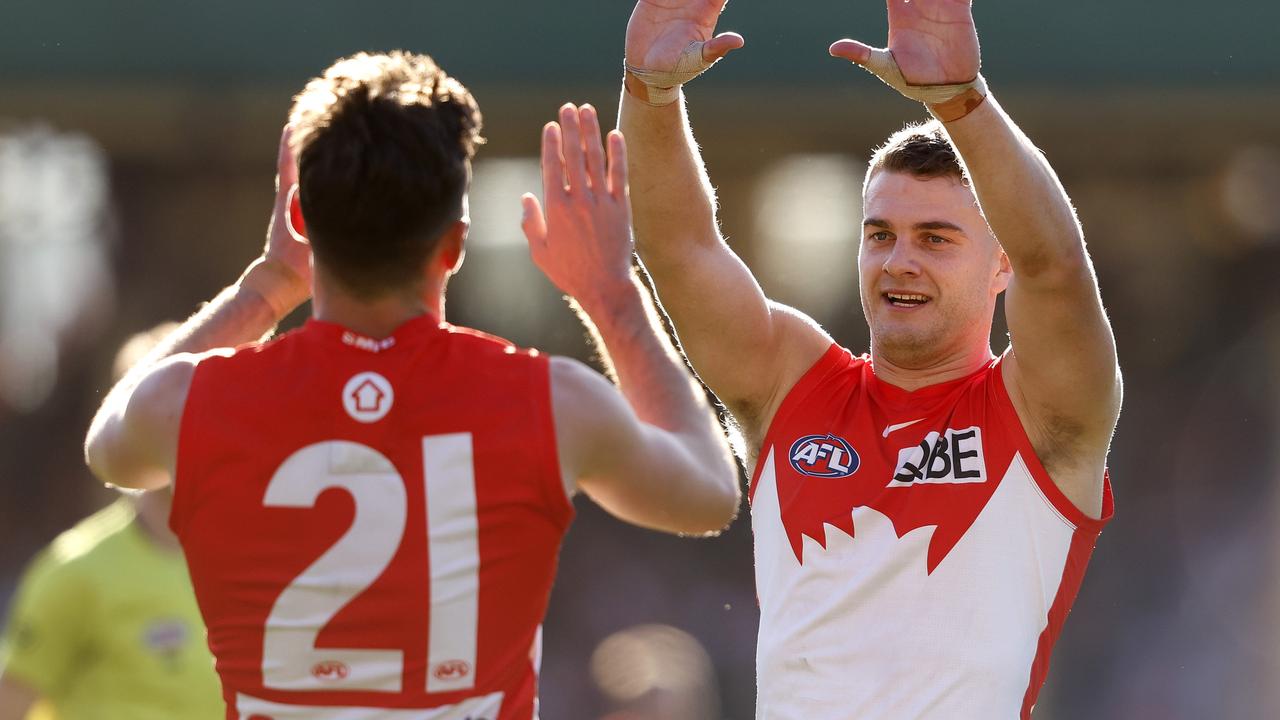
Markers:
{"x": 889, "y": 394}
{"x": 416, "y": 326}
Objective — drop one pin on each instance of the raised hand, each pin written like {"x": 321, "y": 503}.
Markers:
{"x": 287, "y": 248}
{"x": 660, "y": 31}
{"x": 933, "y": 41}
{"x": 583, "y": 241}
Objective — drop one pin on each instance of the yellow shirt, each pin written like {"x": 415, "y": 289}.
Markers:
{"x": 105, "y": 626}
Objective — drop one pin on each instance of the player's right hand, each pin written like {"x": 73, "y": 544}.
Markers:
{"x": 583, "y": 241}
{"x": 933, "y": 42}
{"x": 660, "y": 30}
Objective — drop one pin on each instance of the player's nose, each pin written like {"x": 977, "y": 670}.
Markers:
{"x": 901, "y": 261}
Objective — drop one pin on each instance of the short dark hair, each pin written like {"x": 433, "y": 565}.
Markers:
{"x": 384, "y": 145}
{"x": 920, "y": 149}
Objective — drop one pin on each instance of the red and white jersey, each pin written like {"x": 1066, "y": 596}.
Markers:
{"x": 913, "y": 557}
{"x": 372, "y": 526}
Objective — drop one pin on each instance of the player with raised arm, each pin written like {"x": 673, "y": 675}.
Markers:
{"x": 371, "y": 506}
{"x": 923, "y": 514}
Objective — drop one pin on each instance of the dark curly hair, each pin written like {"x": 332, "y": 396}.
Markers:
{"x": 384, "y": 145}
{"x": 920, "y": 149}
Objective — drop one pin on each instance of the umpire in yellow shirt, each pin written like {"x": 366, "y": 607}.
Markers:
{"x": 104, "y": 624}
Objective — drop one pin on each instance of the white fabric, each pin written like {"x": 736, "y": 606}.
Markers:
{"x": 486, "y": 706}
{"x": 861, "y": 630}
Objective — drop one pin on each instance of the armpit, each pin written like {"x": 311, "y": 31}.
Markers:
{"x": 1059, "y": 442}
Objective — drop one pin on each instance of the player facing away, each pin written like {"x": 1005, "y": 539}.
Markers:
{"x": 923, "y": 514}
{"x": 103, "y": 624}
{"x": 371, "y": 506}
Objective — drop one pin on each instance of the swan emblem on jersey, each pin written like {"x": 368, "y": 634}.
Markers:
{"x": 824, "y": 456}
{"x": 946, "y": 468}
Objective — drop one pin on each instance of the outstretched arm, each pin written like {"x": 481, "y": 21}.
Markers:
{"x": 653, "y": 453}
{"x": 747, "y": 349}
{"x": 133, "y": 439}
{"x": 1062, "y": 372}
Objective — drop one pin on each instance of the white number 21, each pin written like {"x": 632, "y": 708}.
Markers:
{"x": 290, "y": 658}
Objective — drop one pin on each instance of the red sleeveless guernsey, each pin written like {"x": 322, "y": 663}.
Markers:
{"x": 372, "y": 526}
{"x": 913, "y": 558}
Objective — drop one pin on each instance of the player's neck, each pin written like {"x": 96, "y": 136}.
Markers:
{"x": 911, "y": 374}
{"x": 377, "y": 318}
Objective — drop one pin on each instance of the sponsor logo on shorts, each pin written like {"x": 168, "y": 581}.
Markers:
{"x": 824, "y": 456}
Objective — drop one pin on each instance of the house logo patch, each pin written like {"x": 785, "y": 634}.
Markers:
{"x": 367, "y": 397}
{"x": 823, "y": 456}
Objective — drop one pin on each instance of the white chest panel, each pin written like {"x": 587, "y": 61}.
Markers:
{"x": 862, "y": 630}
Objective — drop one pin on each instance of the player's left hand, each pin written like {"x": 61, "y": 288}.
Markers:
{"x": 933, "y": 41}
{"x": 287, "y": 248}
{"x": 583, "y": 241}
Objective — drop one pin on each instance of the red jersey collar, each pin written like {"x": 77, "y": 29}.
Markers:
{"x": 414, "y": 327}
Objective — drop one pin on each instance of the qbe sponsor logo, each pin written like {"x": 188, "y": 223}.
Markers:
{"x": 948, "y": 457}
{"x": 824, "y": 456}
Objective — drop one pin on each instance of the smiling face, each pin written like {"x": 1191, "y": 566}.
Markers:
{"x": 929, "y": 269}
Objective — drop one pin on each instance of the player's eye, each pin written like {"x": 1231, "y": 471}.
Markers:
{"x": 936, "y": 240}
{"x": 881, "y": 236}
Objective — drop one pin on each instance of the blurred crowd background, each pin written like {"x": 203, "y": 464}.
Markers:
{"x": 137, "y": 146}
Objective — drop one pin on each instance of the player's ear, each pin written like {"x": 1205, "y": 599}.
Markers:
{"x": 452, "y": 245}
{"x": 297, "y": 225}
{"x": 1004, "y": 273}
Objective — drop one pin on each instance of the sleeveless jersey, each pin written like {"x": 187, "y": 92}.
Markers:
{"x": 371, "y": 525}
{"x": 913, "y": 557}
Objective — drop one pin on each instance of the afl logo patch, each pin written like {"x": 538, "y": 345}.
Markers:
{"x": 330, "y": 671}
{"x": 452, "y": 670}
{"x": 367, "y": 397}
{"x": 824, "y": 456}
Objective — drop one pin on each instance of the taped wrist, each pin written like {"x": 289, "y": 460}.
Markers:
{"x": 662, "y": 87}
{"x": 947, "y": 102}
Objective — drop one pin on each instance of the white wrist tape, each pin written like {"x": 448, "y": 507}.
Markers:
{"x": 663, "y": 86}
{"x": 883, "y": 66}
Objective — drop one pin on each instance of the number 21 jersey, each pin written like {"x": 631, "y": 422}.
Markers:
{"x": 372, "y": 525}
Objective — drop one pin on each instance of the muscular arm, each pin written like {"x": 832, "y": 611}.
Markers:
{"x": 16, "y": 698}
{"x": 748, "y": 349}
{"x": 133, "y": 439}
{"x": 1063, "y": 370}
{"x": 648, "y": 450}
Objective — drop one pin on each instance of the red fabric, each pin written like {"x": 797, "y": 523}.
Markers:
{"x": 842, "y": 396}
{"x": 246, "y": 414}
